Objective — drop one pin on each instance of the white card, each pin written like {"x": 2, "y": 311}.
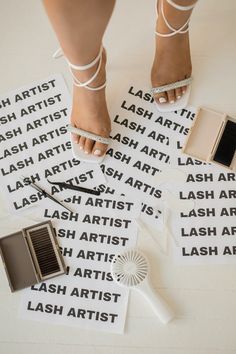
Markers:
{"x": 35, "y": 144}
{"x": 86, "y": 296}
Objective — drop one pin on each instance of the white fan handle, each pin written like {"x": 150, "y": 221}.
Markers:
{"x": 160, "y": 307}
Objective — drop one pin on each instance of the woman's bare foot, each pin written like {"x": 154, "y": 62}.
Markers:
{"x": 172, "y": 61}
{"x": 89, "y": 110}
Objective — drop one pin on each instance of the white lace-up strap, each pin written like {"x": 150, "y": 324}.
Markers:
{"x": 58, "y": 53}
{"x": 87, "y": 66}
{"x": 76, "y": 81}
{"x": 181, "y": 7}
{"x": 173, "y": 30}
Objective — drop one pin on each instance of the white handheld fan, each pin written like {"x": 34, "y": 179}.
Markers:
{"x": 130, "y": 269}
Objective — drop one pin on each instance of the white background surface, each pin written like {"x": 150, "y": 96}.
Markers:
{"x": 204, "y": 297}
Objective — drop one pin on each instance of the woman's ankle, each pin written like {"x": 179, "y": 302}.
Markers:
{"x": 85, "y": 75}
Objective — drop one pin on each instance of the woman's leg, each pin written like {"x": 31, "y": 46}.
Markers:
{"x": 79, "y": 26}
{"x": 172, "y": 61}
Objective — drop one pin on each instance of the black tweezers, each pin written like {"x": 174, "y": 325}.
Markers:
{"x": 46, "y": 194}
{"x": 76, "y": 188}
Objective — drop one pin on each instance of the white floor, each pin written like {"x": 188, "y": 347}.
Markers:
{"x": 205, "y": 296}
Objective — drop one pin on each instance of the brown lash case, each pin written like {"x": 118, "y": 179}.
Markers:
{"x": 212, "y": 138}
{"x": 31, "y": 255}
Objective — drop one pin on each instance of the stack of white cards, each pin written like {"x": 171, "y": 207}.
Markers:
{"x": 35, "y": 145}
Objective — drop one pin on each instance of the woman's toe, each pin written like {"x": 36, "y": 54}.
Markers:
{"x": 82, "y": 142}
{"x": 99, "y": 149}
{"x": 171, "y": 96}
{"x": 88, "y": 146}
{"x": 184, "y": 88}
{"x": 178, "y": 93}
{"x": 75, "y": 138}
{"x": 161, "y": 97}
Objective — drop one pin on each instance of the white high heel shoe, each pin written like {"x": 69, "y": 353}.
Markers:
{"x": 77, "y": 152}
{"x": 183, "y": 101}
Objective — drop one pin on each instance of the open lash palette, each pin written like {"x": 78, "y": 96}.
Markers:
{"x": 212, "y": 138}
{"x": 31, "y": 255}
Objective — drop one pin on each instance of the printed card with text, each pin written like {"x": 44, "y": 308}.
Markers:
{"x": 86, "y": 296}
{"x": 35, "y": 145}
{"x": 207, "y": 232}
{"x": 141, "y": 147}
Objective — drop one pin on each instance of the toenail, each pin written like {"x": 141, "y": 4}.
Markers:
{"x": 81, "y": 147}
{"x": 178, "y": 97}
{"x": 97, "y": 152}
{"x": 162, "y": 100}
{"x": 184, "y": 91}
{"x": 86, "y": 152}
{"x": 172, "y": 101}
